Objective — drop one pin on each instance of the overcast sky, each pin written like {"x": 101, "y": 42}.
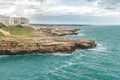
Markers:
{"x": 64, "y": 11}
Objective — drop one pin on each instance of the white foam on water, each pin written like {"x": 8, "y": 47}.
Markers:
{"x": 56, "y": 54}
{"x": 58, "y": 75}
{"x": 62, "y": 54}
{"x": 66, "y": 64}
{"x": 78, "y": 56}
{"x": 60, "y": 68}
{"x": 100, "y": 48}
{"x": 4, "y": 56}
{"x": 80, "y": 34}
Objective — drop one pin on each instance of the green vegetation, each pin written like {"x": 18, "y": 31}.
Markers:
{"x": 1, "y": 35}
{"x": 5, "y": 28}
{"x": 21, "y": 31}
{"x": 18, "y": 30}
{"x": 2, "y": 26}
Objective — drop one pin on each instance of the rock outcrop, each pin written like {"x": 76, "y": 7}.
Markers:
{"x": 56, "y": 31}
{"x": 15, "y": 46}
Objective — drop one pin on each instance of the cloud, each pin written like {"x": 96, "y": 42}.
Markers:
{"x": 18, "y": 7}
{"x": 55, "y": 8}
{"x": 110, "y": 5}
{"x": 58, "y": 7}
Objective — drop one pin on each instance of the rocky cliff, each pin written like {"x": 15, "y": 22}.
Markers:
{"x": 14, "y": 46}
{"x": 41, "y": 41}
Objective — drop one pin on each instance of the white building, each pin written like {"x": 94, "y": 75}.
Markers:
{"x": 21, "y": 20}
{"x": 11, "y": 21}
{"x": 14, "y": 20}
{"x": 4, "y": 20}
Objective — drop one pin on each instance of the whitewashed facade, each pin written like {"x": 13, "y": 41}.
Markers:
{"x": 4, "y": 20}
{"x": 14, "y": 20}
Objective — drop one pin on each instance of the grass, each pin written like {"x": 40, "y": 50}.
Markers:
{"x": 18, "y": 30}
{"x": 1, "y": 35}
{"x": 2, "y": 26}
{"x": 5, "y": 28}
{"x": 21, "y": 31}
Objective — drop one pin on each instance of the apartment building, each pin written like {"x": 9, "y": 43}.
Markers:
{"x": 21, "y": 20}
{"x": 4, "y": 20}
{"x": 14, "y": 20}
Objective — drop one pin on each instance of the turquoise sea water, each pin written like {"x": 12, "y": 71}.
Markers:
{"x": 101, "y": 63}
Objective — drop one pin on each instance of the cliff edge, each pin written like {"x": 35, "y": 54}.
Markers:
{"x": 28, "y": 40}
{"x": 15, "y": 46}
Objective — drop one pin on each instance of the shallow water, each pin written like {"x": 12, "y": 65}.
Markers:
{"x": 101, "y": 63}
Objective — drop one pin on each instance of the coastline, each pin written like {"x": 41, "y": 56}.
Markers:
{"x": 47, "y": 41}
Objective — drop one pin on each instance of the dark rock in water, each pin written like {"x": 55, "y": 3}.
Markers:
{"x": 16, "y": 46}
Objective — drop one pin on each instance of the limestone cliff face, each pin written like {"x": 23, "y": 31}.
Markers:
{"x": 14, "y": 46}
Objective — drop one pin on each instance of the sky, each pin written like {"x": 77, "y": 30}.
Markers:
{"x": 64, "y": 11}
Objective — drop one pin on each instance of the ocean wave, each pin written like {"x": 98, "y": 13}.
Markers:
{"x": 100, "y": 48}
{"x": 59, "y": 75}
{"x": 78, "y": 55}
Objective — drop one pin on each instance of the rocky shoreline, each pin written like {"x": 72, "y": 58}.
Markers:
{"x": 47, "y": 44}
{"x": 48, "y": 31}
{"x": 11, "y": 46}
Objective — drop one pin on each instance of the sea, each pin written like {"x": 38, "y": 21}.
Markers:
{"x": 100, "y": 63}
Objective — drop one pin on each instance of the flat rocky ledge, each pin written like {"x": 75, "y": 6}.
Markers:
{"x": 48, "y": 31}
{"x": 21, "y": 45}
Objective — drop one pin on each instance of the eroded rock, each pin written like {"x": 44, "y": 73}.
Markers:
{"x": 15, "y": 46}
{"x": 56, "y": 31}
